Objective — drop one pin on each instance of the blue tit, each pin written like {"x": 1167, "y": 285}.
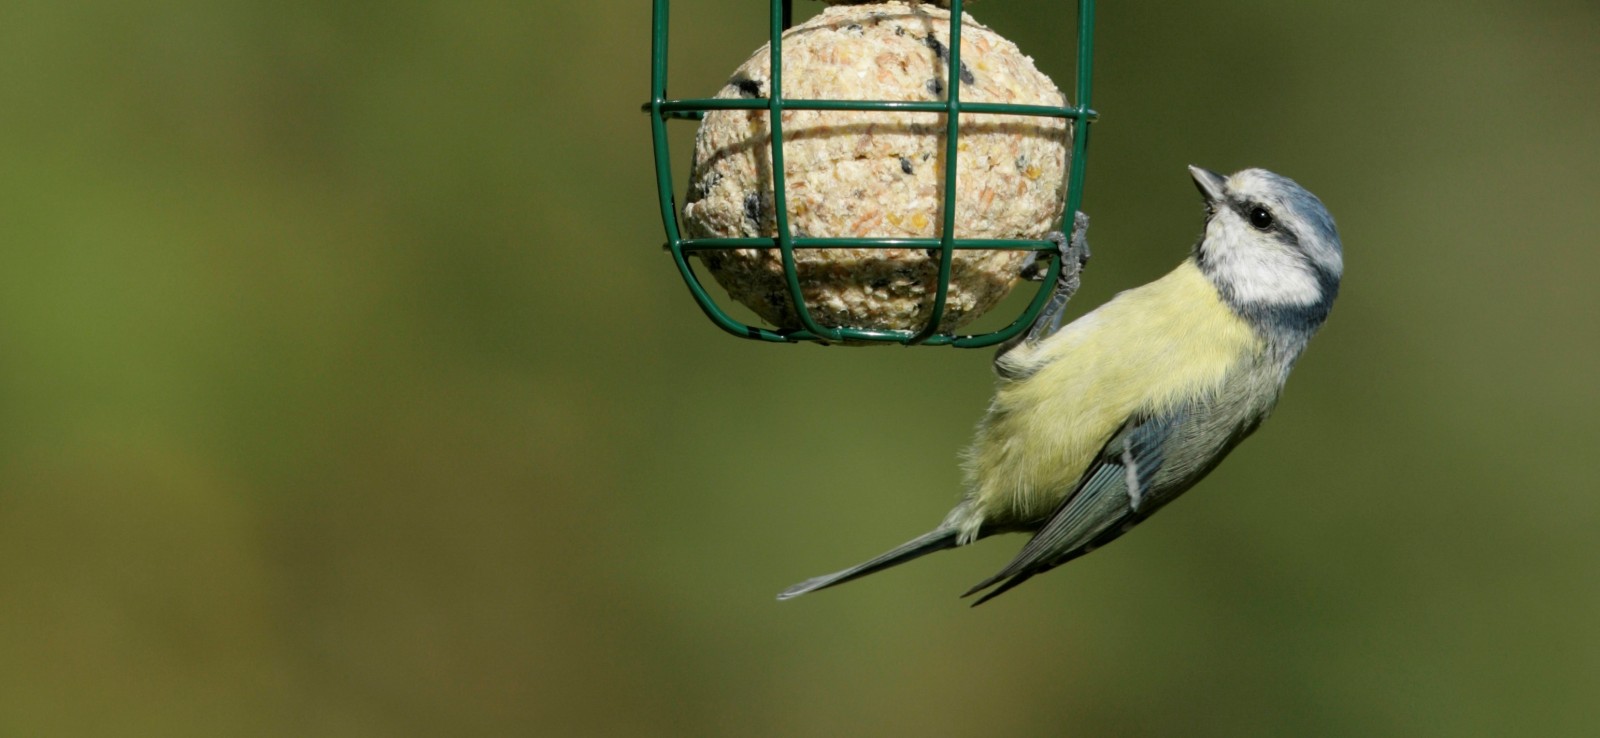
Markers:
{"x": 1095, "y": 426}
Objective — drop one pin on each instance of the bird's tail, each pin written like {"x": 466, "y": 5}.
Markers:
{"x": 938, "y": 539}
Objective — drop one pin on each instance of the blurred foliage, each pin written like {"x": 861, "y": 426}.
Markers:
{"x": 345, "y": 391}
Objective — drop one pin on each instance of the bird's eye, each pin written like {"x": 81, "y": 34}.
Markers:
{"x": 1260, "y": 217}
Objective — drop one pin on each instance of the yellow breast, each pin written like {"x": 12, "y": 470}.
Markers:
{"x": 1145, "y": 351}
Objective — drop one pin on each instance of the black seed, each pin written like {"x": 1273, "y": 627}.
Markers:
{"x": 753, "y": 209}
{"x": 966, "y": 75}
{"x": 938, "y": 48}
{"x": 936, "y": 86}
{"x": 905, "y": 165}
{"x": 748, "y": 87}
{"x": 899, "y": 31}
{"x": 853, "y": 28}
{"x": 704, "y": 186}
{"x": 934, "y": 253}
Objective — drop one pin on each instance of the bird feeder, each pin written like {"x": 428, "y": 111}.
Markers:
{"x": 771, "y": 213}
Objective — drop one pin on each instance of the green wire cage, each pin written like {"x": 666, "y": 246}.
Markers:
{"x": 663, "y": 110}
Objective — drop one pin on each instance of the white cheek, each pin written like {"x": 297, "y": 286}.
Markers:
{"x": 1260, "y": 271}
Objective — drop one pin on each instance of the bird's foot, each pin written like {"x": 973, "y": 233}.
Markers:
{"x": 1073, "y": 252}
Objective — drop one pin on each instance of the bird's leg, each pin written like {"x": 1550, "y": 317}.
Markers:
{"x": 1074, "y": 254}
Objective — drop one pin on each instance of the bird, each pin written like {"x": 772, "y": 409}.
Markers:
{"x": 1097, "y": 425}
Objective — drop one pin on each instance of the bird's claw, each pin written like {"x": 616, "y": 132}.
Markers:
{"x": 1079, "y": 246}
{"x": 1073, "y": 252}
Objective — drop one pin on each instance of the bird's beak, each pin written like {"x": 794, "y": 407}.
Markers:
{"x": 1211, "y": 185}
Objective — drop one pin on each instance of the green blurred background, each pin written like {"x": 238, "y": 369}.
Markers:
{"x": 345, "y": 390}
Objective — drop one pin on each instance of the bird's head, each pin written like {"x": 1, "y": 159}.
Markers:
{"x": 1271, "y": 249}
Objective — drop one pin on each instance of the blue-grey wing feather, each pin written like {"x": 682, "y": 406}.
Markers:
{"x": 1108, "y": 502}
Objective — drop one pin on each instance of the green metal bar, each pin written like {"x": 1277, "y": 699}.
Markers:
{"x": 952, "y": 133}
{"x": 1080, "y": 129}
{"x": 694, "y": 110}
{"x": 891, "y": 106}
{"x": 742, "y": 330}
{"x": 658, "y": 126}
{"x": 960, "y": 244}
{"x": 664, "y": 193}
{"x": 780, "y": 197}
{"x": 709, "y": 306}
{"x": 1023, "y": 321}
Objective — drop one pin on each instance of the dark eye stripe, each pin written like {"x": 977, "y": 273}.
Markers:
{"x": 1277, "y": 228}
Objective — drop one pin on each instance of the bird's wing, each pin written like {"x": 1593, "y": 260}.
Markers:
{"x": 1108, "y": 502}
